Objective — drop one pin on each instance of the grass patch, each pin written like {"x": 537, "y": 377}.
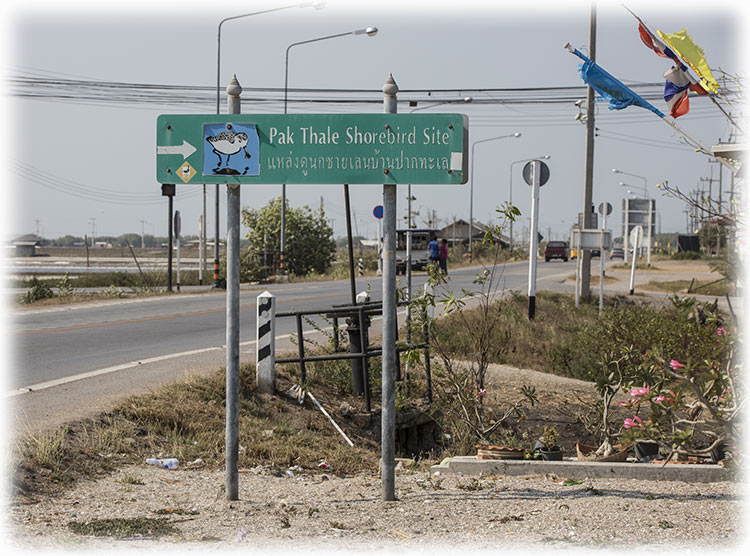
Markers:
{"x": 705, "y": 287}
{"x": 124, "y": 527}
{"x": 187, "y": 421}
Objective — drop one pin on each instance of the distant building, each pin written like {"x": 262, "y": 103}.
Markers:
{"x": 458, "y": 232}
{"x": 25, "y": 245}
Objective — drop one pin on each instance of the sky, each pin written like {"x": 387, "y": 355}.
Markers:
{"x": 78, "y": 167}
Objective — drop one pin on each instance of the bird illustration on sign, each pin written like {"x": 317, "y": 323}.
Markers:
{"x": 226, "y": 144}
{"x": 227, "y": 140}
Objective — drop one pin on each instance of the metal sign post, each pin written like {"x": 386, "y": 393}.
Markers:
{"x": 536, "y": 174}
{"x": 233, "y": 319}
{"x": 388, "y": 414}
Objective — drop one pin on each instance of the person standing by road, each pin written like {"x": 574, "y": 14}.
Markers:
{"x": 434, "y": 248}
{"x": 444, "y": 255}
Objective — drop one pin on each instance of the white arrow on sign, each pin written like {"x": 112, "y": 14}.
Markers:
{"x": 186, "y": 149}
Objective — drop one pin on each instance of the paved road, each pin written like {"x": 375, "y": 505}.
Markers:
{"x": 75, "y": 360}
{"x": 55, "y": 343}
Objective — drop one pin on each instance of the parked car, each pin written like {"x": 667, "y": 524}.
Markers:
{"x": 556, "y": 250}
{"x": 617, "y": 253}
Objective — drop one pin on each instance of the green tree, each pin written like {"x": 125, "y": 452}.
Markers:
{"x": 309, "y": 237}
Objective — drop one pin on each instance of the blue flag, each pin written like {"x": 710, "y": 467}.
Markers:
{"x": 617, "y": 93}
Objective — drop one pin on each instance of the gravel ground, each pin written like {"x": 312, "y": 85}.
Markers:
{"x": 279, "y": 511}
{"x": 433, "y": 513}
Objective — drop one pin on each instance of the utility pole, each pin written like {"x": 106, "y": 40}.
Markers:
{"x": 143, "y": 235}
{"x": 93, "y": 230}
{"x": 589, "y": 173}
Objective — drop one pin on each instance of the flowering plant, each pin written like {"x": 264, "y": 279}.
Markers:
{"x": 690, "y": 405}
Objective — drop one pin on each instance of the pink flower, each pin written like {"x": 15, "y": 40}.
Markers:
{"x": 676, "y": 365}
{"x": 634, "y": 422}
{"x": 482, "y": 393}
{"x": 639, "y": 391}
{"x": 721, "y": 330}
{"x": 659, "y": 399}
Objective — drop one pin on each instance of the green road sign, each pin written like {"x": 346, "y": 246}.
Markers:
{"x": 312, "y": 148}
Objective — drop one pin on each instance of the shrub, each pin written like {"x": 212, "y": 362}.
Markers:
{"x": 38, "y": 291}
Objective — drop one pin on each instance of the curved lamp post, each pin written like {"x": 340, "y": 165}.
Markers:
{"x": 510, "y": 198}
{"x": 370, "y": 32}
{"x": 645, "y": 192}
{"x": 317, "y": 4}
{"x": 645, "y": 181}
{"x": 465, "y": 100}
{"x": 471, "y": 188}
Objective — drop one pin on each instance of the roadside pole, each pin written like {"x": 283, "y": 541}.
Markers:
{"x": 604, "y": 209}
{"x": 233, "y": 318}
{"x": 177, "y": 234}
{"x": 650, "y": 237}
{"x": 167, "y": 190}
{"x": 578, "y": 270}
{"x": 407, "y": 271}
{"x": 203, "y": 237}
{"x": 585, "y": 256}
{"x": 602, "y": 254}
{"x": 380, "y": 246}
{"x": 636, "y": 237}
{"x": 533, "y": 237}
{"x": 388, "y": 413}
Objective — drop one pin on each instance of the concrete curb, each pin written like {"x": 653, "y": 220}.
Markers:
{"x": 578, "y": 470}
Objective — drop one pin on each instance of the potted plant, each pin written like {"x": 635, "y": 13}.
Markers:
{"x": 549, "y": 449}
{"x": 506, "y": 446}
{"x": 646, "y": 450}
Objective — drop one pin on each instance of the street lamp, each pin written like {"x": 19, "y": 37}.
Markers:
{"x": 370, "y": 32}
{"x": 510, "y": 199}
{"x": 645, "y": 181}
{"x": 318, "y": 5}
{"x": 471, "y": 188}
{"x": 465, "y": 100}
{"x": 645, "y": 192}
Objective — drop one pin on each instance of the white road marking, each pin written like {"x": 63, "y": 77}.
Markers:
{"x": 132, "y": 364}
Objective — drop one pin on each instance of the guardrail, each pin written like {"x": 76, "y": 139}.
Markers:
{"x": 357, "y": 314}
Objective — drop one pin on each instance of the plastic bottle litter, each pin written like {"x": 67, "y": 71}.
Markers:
{"x": 168, "y": 463}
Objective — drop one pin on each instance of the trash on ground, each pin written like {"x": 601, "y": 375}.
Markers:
{"x": 167, "y": 463}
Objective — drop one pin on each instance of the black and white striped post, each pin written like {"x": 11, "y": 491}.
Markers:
{"x": 265, "y": 346}
{"x": 361, "y": 267}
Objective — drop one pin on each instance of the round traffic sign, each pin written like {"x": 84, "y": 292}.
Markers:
{"x": 605, "y": 206}
{"x": 377, "y": 212}
{"x": 636, "y": 236}
{"x": 543, "y": 173}
{"x": 177, "y": 223}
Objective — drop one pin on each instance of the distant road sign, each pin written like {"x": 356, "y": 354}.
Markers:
{"x": 544, "y": 172}
{"x": 377, "y": 212}
{"x": 636, "y": 236}
{"x": 177, "y": 223}
{"x": 312, "y": 148}
{"x": 605, "y": 207}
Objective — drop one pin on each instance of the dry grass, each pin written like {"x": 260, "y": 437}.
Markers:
{"x": 187, "y": 421}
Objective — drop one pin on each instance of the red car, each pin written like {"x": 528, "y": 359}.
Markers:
{"x": 556, "y": 250}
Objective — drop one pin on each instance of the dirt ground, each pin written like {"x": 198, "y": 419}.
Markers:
{"x": 282, "y": 508}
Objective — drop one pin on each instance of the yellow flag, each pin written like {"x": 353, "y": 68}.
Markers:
{"x": 682, "y": 44}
